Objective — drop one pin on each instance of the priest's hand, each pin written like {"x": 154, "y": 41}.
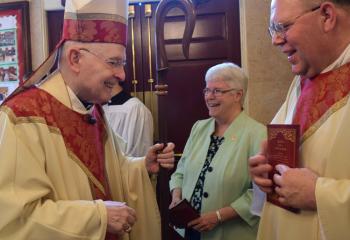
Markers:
{"x": 296, "y": 187}
{"x": 259, "y": 169}
{"x": 120, "y": 218}
{"x": 206, "y": 222}
{"x": 158, "y": 155}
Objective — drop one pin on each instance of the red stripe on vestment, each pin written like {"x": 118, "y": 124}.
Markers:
{"x": 319, "y": 95}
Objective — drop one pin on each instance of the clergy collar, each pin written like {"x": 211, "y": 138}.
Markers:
{"x": 86, "y": 104}
{"x": 120, "y": 98}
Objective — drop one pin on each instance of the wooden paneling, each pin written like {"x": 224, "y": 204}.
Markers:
{"x": 198, "y": 51}
{"x": 55, "y": 23}
{"x": 216, "y": 39}
{"x": 207, "y": 26}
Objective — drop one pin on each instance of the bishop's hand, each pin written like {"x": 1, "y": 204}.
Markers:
{"x": 158, "y": 155}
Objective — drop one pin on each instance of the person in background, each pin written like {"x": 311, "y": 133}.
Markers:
{"x": 130, "y": 119}
{"x": 315, "y": 37}
{"x": 212, "y": 173}
{"x": 62, "y": 173}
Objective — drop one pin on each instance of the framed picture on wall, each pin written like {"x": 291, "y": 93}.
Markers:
{"x": 3, "y": 93}
{"x": 15, "y": 55}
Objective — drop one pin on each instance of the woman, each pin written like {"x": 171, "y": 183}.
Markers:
{"x": 213, "y": 171}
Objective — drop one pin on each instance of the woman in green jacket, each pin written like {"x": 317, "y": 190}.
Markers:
{"x": 213, "y": 171}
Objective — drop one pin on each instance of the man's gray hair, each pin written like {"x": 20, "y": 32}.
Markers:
{"x": 232, "y": 74}
{"x": 340, "y": 2}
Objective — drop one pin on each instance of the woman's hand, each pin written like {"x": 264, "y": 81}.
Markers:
{"x": 176, "y": 197}
{"x": 206, "y": 222}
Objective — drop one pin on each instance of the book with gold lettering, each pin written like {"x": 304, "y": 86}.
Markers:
{"x": 282, "y": 148}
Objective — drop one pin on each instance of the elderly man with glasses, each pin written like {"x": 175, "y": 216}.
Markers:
{"x": 315, "y": 37}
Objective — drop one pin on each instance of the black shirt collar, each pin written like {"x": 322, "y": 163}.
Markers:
{"x": 120, "y": 98}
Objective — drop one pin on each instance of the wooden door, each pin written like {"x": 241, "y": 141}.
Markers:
{"x": 216, "y": 39}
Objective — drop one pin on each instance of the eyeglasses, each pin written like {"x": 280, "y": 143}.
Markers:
{"x": 111, "y": 62}
{"x": 218, "y": 92}
{"x": 280, "y": 29}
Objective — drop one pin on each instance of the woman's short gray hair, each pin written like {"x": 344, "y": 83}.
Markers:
{"x": 232, "y": 74}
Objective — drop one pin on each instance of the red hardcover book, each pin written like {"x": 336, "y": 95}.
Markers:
{"x": 282, "y": 148}
{"x": 182, "y": 213}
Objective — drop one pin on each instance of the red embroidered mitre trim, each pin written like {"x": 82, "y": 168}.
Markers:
{"x": 94, "y": 31}
{"x": 104, "y": 28}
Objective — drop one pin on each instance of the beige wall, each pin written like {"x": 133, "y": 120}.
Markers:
{"x": 268, "y": 70}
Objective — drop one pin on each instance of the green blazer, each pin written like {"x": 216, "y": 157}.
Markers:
{"x": 229, "y": 183}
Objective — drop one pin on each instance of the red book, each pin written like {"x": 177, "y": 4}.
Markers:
{"x": 182, "y": 213}
{"x": 282, "y": 148}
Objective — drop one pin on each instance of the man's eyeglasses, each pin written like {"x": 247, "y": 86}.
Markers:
{"x": 218, "y": 92}
{"x": 280, "y": 29}
{"x": 111, "y": 62}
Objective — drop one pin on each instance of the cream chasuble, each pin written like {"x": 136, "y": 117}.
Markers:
{"x": 46, "y": 192}
{"x": 326, "y": 151}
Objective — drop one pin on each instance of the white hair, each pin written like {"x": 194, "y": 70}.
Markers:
{"x": 232, "y": 74}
